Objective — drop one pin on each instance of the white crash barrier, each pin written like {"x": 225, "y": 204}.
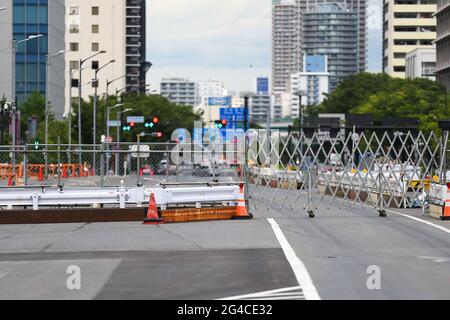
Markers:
{"x": 45, "y": 196}
{"x": 122, "y": 196}
{"x": 194, "y": 195}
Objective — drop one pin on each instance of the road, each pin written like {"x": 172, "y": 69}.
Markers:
{"x": 233, "y": 259}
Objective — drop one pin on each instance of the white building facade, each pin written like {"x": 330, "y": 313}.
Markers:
{"x": 421, "y": 63}
{"x": 93, "y": 26}
{"x": 408, "y": 24}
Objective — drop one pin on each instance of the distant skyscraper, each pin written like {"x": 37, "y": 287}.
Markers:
{"x": 359, "y": 7}
{"x": 443, "y": 42}
{"x": 332, "y": 30}
{"x": 289, "y": 34}
{"x": 20, "y": 20}
{"x": 408, "y": 24}
{"x": 286, "y": 43}
{"x": 262, "y": 85}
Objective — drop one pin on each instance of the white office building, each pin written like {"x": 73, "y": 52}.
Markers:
{"x": 408, "y": 24}
{"x": 421, "y": 63}
{"x": 312, "y": 84}
{"x": 180, "y": 91}
{"x": 286, "y": 42}
{"x": 115, "y": 26}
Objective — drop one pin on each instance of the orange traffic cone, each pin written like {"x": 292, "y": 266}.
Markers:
{"x": 152, "y": 212}
{"x": 241, "y": 210}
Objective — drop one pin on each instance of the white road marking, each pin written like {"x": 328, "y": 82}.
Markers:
{"x": 302, "y": 275}
{"x": 434, "y": 259}
{"x": 421, "y": 221}
{"x": 268, "y": 293}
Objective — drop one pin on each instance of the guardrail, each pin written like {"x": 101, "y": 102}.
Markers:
{"x": 39, "y": 197}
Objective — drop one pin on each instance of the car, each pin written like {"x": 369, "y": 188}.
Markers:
{"x": 203, "y": 171}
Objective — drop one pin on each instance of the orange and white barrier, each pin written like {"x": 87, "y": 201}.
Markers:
{"x": 439, "y": 201}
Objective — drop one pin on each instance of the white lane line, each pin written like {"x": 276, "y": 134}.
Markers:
{"x": 421, "y": 221}
{"x": 265, "y": 293}
{"x": 302, "y": 275}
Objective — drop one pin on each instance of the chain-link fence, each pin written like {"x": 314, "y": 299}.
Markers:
{"x": 114, "y": 164}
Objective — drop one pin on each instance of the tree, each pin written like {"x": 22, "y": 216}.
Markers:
{"x": 384, "y": 96}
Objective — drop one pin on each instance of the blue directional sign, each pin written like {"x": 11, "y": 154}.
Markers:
{"x": 220, "y": 102}
{"x": 234, "y": 116}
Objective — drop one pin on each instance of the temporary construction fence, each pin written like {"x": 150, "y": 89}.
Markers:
{"x": 368, "y": 169}
{"x": 115, "y": 163}
{"x": 290, "y": 171}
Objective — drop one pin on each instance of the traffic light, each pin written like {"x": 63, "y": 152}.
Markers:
{"x": 151, "y": 122}
{"x": 220, "y": 124}
{"x": 36, "y": 145}
{"x": 126, "y": 128}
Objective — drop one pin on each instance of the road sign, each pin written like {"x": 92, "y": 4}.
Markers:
{"x": 114, "y": 123}
{"x": 135, "y": 119}
{"x": 234, "y": 116}
{"x": 144, "y": 151}
{"x": 219, "y": 102}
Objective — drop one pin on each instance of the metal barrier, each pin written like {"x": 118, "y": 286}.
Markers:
{"x": 39, "y": 197}
{"x": 299, "y": 172}
{"x": 148, "y": 164}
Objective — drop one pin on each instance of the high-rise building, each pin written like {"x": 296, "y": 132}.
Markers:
{"x": 359, "y": 7}
{"x": 286, "y": 43}
{"x": 180, "y": 91}
{"x": 332, "y": 29}
{"x": 115, "y": 26}
{"x": 18, "y": 21}
{"x": 408, "y": 24}
{"x": 290, "y": 31}
{"x": 421, "y": 63}
{"x": 136, "y": 64}
{"x": 443, "y": 42}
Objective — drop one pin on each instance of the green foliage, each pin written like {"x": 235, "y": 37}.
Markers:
{"x": 384, "y": 96}
{"x": 171, "y": 117}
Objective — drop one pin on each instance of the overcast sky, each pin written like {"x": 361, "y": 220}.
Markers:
{"x": 227, "y": 40}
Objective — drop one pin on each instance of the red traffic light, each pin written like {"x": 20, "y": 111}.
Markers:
{"x": 159, "y": 134}
{"x": 132, "y": 124}
{"x": 155, "y": 120}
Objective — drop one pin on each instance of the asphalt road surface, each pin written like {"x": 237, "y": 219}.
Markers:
{"x": 281, "y": 254}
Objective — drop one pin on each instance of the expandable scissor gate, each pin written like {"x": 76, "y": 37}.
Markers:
{"x": 300, "y": 172}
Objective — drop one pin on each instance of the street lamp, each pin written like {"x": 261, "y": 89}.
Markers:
{"x": 108, "y": 116}
{"x": 119, "y": 113}
{"x": 108, "y": 112}
{"x": 47, "y": 87}
{"x": 15, "y": 43}
{"x": 94, "y": 139}
{"x": 108, "y": 83}
{"x": 82, "y": 61}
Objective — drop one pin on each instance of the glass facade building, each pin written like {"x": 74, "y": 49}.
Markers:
{"x": 332, "y": 30}
{"x": 30, "y": 17}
